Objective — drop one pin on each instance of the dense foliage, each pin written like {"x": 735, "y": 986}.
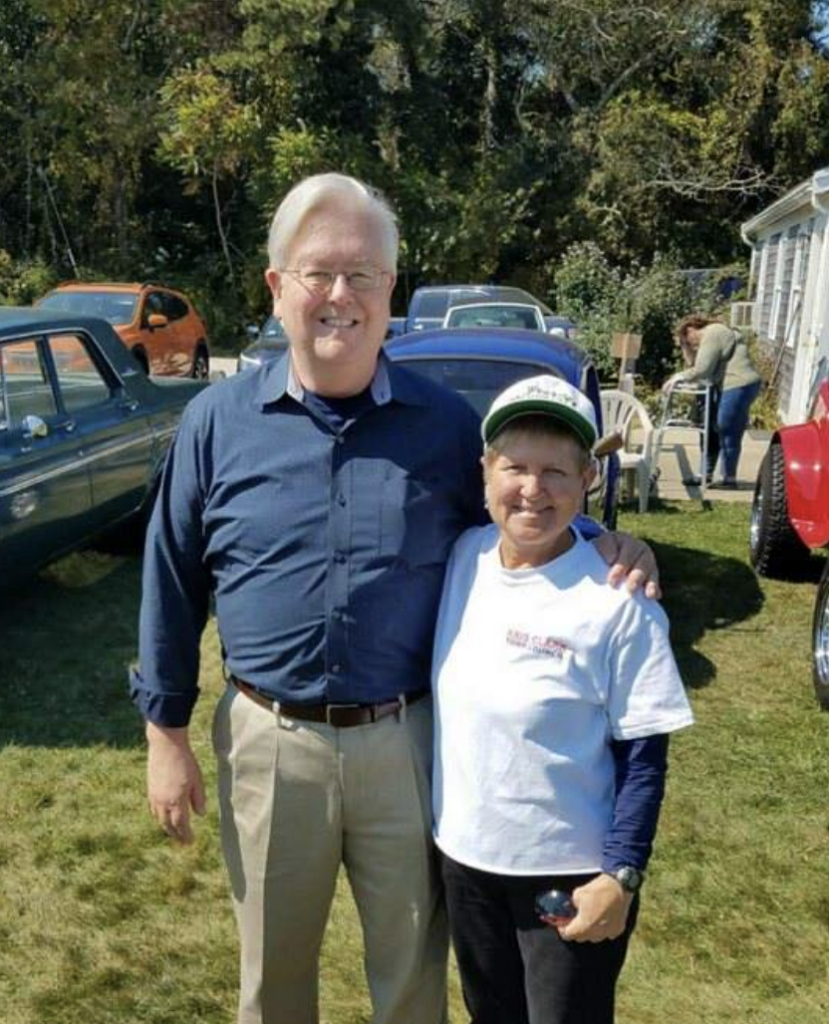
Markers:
{"x": 153, "y": 138}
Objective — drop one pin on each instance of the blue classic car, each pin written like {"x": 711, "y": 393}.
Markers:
{"x": 478, "y": 363}
{"x": 83, "y": 433}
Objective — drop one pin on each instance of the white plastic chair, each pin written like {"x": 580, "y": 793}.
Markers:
{"x": 620, "y": 411}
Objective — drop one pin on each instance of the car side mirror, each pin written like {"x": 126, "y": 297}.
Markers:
{"x": 608, "y": 444}
{"x": 155, "y": 320}
{"x": 34, "y": 426}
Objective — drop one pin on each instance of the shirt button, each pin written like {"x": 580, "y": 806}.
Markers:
{"x": 339, "y": 557}
{"x": 341, "y": 499}
{"x": 336, "y": 615}
{"x": 336, "y": 669}
{"x": 340, "y": 439}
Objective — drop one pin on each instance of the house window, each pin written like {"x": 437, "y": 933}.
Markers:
{"x": 768, "y": 276}
{"x": 783, "y": 285}
{"x": 800, "y": 270}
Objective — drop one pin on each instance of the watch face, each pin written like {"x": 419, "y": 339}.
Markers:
{"x": 629, "y": 878}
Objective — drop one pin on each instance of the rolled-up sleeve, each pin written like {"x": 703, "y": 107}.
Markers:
{"x": 175, "y": 589}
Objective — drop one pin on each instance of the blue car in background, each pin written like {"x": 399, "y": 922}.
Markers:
{"x": 478, "y": 363}
{"x": 83, "y": 434}
{"x": 430, "y": 304}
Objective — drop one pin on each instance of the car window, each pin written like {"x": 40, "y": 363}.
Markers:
{"x": 25, "y": 389}
{"x": 433, "y": 304}
{"x": 493, "y": 316}
{"x": 81, "y": 383}
{"x": 154, "y": 303}
{"x": 478, "y": 380}
{"x": 116, "y": 307}
{"x": 174, "y": 307}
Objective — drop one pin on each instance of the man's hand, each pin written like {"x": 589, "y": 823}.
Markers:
{"x": 631, "y": 561}
{"x": 602, "y": 906}
{"x": 174, "y": 781}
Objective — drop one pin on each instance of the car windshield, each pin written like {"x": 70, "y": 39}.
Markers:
{"x": 478, "y": 380}
{"x": 494, "y": 316}
{"x": 116, "y": 307}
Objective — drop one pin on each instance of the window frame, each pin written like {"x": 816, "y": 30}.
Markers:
{"x": 109, "y": 378}
{"x": 7, "y": 424}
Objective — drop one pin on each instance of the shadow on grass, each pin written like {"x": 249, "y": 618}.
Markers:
{"x": 67, "y": 638}
{"x": 703, "y": 592}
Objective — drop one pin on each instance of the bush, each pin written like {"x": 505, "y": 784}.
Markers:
{"x": 589, "y": 291}
{"x": 602, "y": 299}
{"x": 659, "y": 298}
{"x": 23, "y": 281}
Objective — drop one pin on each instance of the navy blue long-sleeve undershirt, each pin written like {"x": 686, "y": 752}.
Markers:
{"x": 641, "y": 767}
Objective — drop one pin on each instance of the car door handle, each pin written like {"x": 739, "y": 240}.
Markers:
{"x": 34, "y": 426}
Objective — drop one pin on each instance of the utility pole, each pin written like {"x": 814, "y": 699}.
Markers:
{"x": 42, "y": 175}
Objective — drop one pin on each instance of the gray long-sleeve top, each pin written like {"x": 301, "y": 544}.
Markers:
{"x": 722, "y": 359}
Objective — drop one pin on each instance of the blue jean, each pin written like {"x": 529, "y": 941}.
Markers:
{"x": 732, "y": 420}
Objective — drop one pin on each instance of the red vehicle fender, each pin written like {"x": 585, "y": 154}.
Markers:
{"x": 806, "y": 460}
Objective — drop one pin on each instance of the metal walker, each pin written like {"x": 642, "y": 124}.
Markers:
{"x": 678, "y": 404}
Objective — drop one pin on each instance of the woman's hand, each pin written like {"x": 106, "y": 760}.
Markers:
{"x": 631, "y": 561}
{"x": 602, "y": 906}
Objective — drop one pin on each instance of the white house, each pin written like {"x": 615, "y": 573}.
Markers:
{"x": 789, "y": 285}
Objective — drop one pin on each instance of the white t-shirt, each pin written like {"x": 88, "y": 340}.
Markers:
{"x": 534, "y": 671}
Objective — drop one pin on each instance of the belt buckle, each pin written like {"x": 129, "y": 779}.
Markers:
{"x": 335, "y": 708}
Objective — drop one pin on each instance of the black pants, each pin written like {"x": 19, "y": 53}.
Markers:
{"x": 514, "y": 968}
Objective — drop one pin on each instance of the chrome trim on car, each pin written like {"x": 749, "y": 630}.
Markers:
{"x": 83, "y": 460}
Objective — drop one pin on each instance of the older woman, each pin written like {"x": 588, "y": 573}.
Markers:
{"x": 719, "y": 355}
{"x": 554, "y": 695}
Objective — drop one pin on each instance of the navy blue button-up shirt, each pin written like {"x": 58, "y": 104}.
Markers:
{"x": 323, "y": 548}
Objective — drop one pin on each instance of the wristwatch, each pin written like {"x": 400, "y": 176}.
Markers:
{"x": 629, "y": 877}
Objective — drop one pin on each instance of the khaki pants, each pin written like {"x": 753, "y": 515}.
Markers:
{"x": 297, "y": 799}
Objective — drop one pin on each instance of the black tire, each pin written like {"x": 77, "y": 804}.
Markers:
{"x": 820, "y": 641}
{"x": 774, "y": 547}
{"x": 201, "y": 365}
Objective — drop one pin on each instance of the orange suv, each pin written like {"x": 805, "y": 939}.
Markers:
{"x": 161, "y": 327}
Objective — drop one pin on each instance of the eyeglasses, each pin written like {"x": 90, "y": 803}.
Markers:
{"x": 366, "y": 279}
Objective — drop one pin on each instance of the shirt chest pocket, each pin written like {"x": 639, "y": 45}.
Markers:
{"x": 415, "y": 519}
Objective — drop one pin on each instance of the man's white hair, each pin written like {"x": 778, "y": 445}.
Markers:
{"x": 319, "y": 190}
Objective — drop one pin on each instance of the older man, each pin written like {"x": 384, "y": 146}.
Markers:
{"x": 316, "y": 500}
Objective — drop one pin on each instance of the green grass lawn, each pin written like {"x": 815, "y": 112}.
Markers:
{"x": 102, "y": 921}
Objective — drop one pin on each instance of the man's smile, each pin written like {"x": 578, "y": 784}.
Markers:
{"x": 338, "y": 321}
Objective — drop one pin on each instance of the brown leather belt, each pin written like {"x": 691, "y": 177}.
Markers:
{"x": 341, "y": 716}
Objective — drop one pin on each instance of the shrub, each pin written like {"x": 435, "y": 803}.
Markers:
{"x": 23, "y": 281}
{"x": 603, "y": 299}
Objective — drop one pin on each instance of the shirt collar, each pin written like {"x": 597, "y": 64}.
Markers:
{"x": 389, "y": 382}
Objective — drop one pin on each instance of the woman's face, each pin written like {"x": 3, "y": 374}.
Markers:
{"x": 535, "y": 487}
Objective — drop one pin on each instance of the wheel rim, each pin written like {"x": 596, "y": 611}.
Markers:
{"x": 756, "y": 519}
{"x": 820, "y": 642}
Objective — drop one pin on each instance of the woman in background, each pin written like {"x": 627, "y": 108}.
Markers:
{"x": 719, "y": 356}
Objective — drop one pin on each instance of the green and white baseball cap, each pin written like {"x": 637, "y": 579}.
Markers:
{"x": 542, "y": 396}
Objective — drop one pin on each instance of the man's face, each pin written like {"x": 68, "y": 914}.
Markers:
{"x": 334, "y": 336}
